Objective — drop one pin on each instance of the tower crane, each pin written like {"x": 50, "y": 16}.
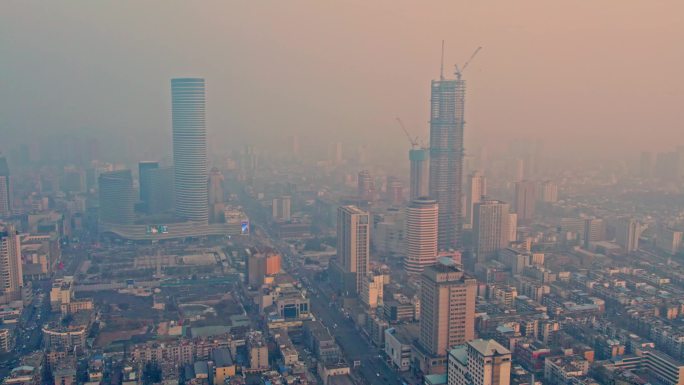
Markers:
{"x": 413, "y": 141}
{"x": 459, "y": 71}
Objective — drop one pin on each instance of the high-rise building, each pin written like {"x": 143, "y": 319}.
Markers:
{"x": 627, "y": 232}
{"x": 525, "y": 200}
{"x": 669, "y": 240}
{"x": 420, "y": 173}
{"x": 490, "y": 228}
{"x": 479, "y": 362}
{"x": 421, "y": 234}
{"x": 11, "y": 278}
{"x": 594, "y": 231}
{"x": 447, "y": 104}
{"x": 189, "y": 149}
{"x": 144, "y": 180}
{"x": 477, "y": 188}
{"x": 5, "y": 189}
{"x": 366, "y": 186}
{"x": 394, "y": 191}
{"x": 215, "y": 194}
{"x": 117, "y": 198}
{"x": 512, "y": 227}
{"x": 282, "y": 208}
{"x": 160, "y": 190}
{"x": 547, "y": 191}
{"x": 353, "y": 242}
{"x": 447, "y": 307}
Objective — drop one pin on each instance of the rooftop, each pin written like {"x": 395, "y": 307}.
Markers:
{"x": 488, "y": 347}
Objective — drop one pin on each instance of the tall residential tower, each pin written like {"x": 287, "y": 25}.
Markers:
{"x": 11, "y": 278}
{"x": 5, "y": 196}
{"x": 190, "y": 149}
{"x": 353, "y": 243}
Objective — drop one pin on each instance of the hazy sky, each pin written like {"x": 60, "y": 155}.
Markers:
{"x": 602, "y": 74}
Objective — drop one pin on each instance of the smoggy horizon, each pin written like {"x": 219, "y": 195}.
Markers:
{"x": 581, "y": 78}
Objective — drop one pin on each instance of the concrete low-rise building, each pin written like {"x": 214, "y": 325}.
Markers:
{"x": 224, "y": 367}
{"x": 398, "y": 346}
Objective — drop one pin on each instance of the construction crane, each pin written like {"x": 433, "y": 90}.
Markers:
{"x": 413, "y": 141}
{"x": 459, "y": 71}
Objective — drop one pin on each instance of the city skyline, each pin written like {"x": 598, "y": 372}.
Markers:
{"x": 509, "y": 48}
{"x": 306, "y": 192}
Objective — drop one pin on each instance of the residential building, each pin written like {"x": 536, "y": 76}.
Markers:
{"x": 5, "y": 188}
{"x": 11, "y": 275}
{"x": 479, "y": 362}
{"x": 353, "y": 243}
{"x": 525, "y": 200}
{"x": 477, "y": 188}
{"x": 490, "y": 228}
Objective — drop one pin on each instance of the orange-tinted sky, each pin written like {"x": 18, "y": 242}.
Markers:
{"x": 594, "y": 75}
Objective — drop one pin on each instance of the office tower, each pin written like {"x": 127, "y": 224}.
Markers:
{"x": 420, "y": 173}
{"x": 447, "y": 104}
{"x": 479, "y": 362}
{"x": 160, "y": 190}
{"x": 5, "y": 189}
{"x": 490, "y": 228}
{"x": 117, "y": 198}
{"x": 366, "y": 186}
{"x": 144, "y": 181}
{"x": 353, "y": 243}
{"x": 627, "y": 234}
{"x": 447, "y": 307}
{"x": 282, "y": 210}
{"x": 394, "y": 194}
{"x": 11, "y": 279}
{"x": 525, "y": 200}
{"x": 547, "y": 191}
{"x": 421, "y": 234}
{"x": 477, "y": 188}
{"x": 215, "y": 195}
{"x": 189, "y": 149}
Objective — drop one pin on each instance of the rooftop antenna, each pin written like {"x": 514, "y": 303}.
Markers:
{"x": 441, "y": 67}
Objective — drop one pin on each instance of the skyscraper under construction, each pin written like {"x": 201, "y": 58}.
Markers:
{"x": 447, "y": 104}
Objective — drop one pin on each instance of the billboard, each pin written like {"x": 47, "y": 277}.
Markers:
{"x": 157, "y": 229}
